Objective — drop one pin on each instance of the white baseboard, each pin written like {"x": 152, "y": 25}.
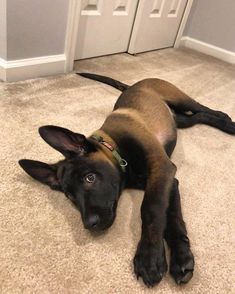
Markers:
{"x": 2, "y": 71}
{"x": 16, "y": 70}
{"x": 208, "y": 49}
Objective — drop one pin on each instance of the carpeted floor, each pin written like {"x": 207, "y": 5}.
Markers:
{"x": 44, "y": 248}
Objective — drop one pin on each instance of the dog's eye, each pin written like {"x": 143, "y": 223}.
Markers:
{"x": 90, "y": 178}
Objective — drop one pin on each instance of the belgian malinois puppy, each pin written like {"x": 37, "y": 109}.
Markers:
{"x": 132, "y": 149}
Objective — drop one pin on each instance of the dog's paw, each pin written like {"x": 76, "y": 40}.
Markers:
{"x": 182, "y": 264}
{"x": 221, "y": 115}
{"x": 231, "y": 128}
{"x": 150, "y": 263}
{"x": 227, "y": 126}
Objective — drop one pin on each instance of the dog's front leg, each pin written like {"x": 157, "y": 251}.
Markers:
{"x": 150, "y": 262}
{"x": 182, "y": 260}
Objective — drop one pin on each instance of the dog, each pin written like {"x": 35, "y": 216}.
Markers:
{"x": 132, "y": 149}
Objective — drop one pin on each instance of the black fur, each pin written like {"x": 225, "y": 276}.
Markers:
{"x": 96, "y": 200}
{"x": 106, "y": 80}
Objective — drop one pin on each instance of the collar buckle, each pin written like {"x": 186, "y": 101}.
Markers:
{"x": 116, "y": 154}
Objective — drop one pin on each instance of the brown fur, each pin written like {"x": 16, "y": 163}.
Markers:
{"x": 142, "y": 127}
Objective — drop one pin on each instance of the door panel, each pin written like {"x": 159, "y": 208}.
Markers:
{"x": 156, "y": 24}
{"x": 104, "y": 27}
{"x": 91, "y": 7}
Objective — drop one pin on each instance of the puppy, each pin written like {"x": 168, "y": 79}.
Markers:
{"x": 132, "y": 149}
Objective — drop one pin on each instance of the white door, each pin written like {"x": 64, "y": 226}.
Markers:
{"x": 156, "y": 24}
{"x": 104, "y": 27}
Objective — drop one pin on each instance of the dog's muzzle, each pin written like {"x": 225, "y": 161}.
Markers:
{"x": 99, "y": 222}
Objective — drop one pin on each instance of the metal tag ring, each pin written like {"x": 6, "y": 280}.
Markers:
{"x": 123, "y": 162}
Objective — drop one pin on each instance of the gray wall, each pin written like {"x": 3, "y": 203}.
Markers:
{"x": 3, "y": 30}
{"x": 35, "y": 28}
{"x": 213, "y": 22}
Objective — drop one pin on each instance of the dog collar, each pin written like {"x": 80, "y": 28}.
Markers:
{"x": 116, "y": 154}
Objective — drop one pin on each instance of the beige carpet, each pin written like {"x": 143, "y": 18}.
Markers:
{"x": 44, "y": 248}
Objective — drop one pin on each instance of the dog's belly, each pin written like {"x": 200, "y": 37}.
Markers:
{"x": 159, "y": 124}
{"x": 164, "y": 137}
{"x": 149, "y": 110}
{"x": 159, "y": 120}
{"x": 164, "y": 126}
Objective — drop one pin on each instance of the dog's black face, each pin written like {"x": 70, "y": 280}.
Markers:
{"x": 86, "y": 176}
{"x": 94, "y": 187}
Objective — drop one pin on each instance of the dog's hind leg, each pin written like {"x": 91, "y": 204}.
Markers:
{"x": 223, "y": 124}
{"x": 186, "y": 104}
{"x": 182, "y": 260}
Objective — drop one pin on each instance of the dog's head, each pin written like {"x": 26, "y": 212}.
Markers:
{"x": 86, "y": 176}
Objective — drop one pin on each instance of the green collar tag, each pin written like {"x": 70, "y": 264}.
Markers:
{"x": 116, "y": 154}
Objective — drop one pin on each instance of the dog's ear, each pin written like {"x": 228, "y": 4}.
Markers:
{"x": 65, "y": 141}
{"x": 44, "y": 173}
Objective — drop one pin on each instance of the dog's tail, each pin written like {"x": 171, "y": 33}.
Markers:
{"x": 106, "y": 80}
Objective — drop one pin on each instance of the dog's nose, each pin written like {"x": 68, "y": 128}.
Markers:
{"x": 91, "y": 222}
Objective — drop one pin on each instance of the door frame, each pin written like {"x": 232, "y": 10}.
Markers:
{"x": 183, "y": 23}
{"x": 71, "y": 34}
{"x": 72, "y": 29}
